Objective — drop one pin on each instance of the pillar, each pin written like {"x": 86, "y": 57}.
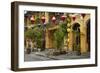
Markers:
{"x": 70, "y": 41}
{"x": 47, "y": 39}
{"x": 47, "y": 17}
{"x": 83, "y": 39}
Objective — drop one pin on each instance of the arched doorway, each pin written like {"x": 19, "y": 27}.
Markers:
{"x": 76, "y": 37}
{"x": 88, "y": 35}
{"x": 50, "y": 38}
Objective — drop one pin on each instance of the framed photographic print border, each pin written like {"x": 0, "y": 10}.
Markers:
{"x": 15, "y": 35}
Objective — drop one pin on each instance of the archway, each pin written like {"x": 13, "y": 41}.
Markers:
{"x": 50, "y": 38}
{"x": 76, "y": 37}
{"x": 88, "y": 35}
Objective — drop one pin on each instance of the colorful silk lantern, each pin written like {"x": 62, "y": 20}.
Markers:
{"x": 53, "y": 19}
{"x": 68, "y": 25}
{"x": 32, "y": 19}
{"x": 68, "y": 29}
{"x": 43, "y": 19}
{"x": 63, "y": 17}
{"x": 73, "y": 17}
{"x": 68, "y": 40}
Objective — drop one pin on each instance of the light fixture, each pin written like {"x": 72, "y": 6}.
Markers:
{"x": 32, "y": 19}
{"x": 53, "y": 19}
{"x": 43, "y": 19}
{"x": 74, "y": 17}
{"x": 63, "y": 17}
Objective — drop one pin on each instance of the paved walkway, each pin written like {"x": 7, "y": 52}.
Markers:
{"x": 41, "y": 56}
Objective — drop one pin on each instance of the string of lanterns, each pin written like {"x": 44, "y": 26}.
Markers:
{"x": 53, "y": 19}
{"x": 43, "y": 19}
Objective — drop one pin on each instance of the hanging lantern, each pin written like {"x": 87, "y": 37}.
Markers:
{"x": 68, "y": 40}
{"x": 68, "y": 35}
{"x": 43, "y": 19}
{"x": 63, "y": 17}
{"x": 68, "y": 29}
{"x": 32, "y": 19}
{"x": 68, "y": 25}
{"x": 53, "y": 19}
{"x": 73, "y": 17}
{"x": 83, "y": 15}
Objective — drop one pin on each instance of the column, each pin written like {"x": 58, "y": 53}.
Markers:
{"x": 47, "y": 39}
{"x": 83, "y": 39}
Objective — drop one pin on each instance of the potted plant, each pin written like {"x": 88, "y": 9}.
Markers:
{"x": 28, "y": 36}
{"x": 59, "y": 35}
{"x": 38, "y": 36}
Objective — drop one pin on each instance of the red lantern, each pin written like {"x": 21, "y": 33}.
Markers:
{"x": 63, "y": 18}
{"x": 32, "y": 19}
{"x": 53, "y": 19}
{"x": 43, "y": 19}
{"x": 83, "y": 15}
{"x": 73, "y": 17}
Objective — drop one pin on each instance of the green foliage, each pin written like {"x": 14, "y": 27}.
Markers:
{"x": 38, "y": 33}
{"x": 63, "y": 27}
{"x": 29, "y": 34}
{"x": 37, "y": 20}
{"x": 35, "y": 34}
{"x": 59, "y": 35}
